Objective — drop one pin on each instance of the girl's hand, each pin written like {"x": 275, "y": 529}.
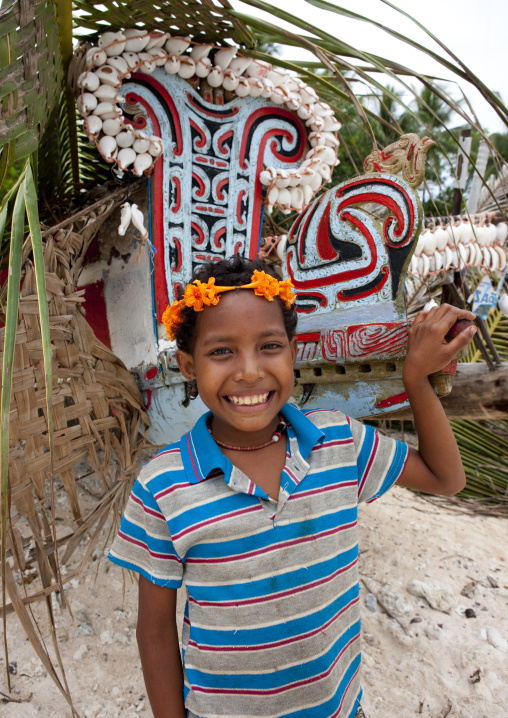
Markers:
{"x": 428, "y": 351}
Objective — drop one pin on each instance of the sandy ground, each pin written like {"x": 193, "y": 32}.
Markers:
{"x": 418, "y": 661}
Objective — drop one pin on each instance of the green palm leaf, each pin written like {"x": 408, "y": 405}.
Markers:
{"x": 345, "y": 67}
{"x": 11, "y": 323}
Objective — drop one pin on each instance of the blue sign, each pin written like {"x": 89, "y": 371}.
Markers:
{"x": 485, "y": 298}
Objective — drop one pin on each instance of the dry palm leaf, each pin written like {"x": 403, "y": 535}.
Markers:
{"x": 95, "y": 403}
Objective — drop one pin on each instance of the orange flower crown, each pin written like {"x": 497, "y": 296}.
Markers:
{"x": 200, "y": 295}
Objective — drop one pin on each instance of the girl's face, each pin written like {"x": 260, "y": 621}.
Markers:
{"x": 243, "y": 363}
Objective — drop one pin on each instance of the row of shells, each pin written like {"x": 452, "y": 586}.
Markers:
{"x": 121, "y": 53}
{"x": 460, "y": 245}
{"x": 459, "y": 257}
{"x": 462, "y": 232}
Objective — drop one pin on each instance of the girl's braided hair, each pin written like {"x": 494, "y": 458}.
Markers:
{"x": 232, "y": 272}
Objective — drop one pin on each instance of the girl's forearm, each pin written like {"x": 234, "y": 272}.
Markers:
{"x": 436, "y": 442}
{"x": 162, "y": 671}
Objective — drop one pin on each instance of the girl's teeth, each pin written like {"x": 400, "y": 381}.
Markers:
{"x": 249, "y": 400}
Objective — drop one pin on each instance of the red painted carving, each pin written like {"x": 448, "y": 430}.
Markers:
{"x": 210, "y": 112}
{"x": 200, "y": 239}
{"x": 175, "y": 207}
{"x": 201, "y": 143}
{"x": 365, "y": 341}
{"x": 178, "y": 142}
{"x": 392, "y": 401}
{"x": 222, "y": 140}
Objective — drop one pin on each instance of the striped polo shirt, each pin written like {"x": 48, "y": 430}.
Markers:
{"x": 272, "y": 621}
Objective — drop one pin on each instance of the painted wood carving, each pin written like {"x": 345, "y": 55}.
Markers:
{"x": 349, "y": 267}
{"x": 343, "y": 262}
{"x": 208, "y": 177}
{"x": 222, "y": 144}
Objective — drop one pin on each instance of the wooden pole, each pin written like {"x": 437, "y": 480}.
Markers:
{"x": 462, "y": 169}
{"x": 477, "y": 393}
{"x": 476, "y": 185}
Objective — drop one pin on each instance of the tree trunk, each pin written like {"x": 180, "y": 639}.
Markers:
{"x": 477, "y": 393}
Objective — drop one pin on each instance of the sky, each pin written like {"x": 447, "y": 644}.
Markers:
{"x": 476, "y": 31}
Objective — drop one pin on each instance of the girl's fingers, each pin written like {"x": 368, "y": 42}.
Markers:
{"x": 462, "y": 340}
{"x": 423, "y": 316}
{"x": 443, "y": 317}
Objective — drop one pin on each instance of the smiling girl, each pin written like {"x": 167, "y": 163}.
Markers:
{"x": 255, "y": 510}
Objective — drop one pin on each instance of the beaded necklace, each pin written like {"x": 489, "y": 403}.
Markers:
{"x": 277, "y": 435}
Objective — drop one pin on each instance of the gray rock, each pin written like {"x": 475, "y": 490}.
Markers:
{"x": 439, "y": 597}
{"x": 80, "y": 653}
{"x": 469, "y": 589}
{"x": 481, "y": 633}
{"x": 371, "y": 602}
{"x": 496, "y": 639}
{"x": 120, "y": 638}
{"x": 106, "y": 637}
{"x": 395, "y": 603}
{"x": 93, "y": 710}
{"x": 434, "y": 633}
{"x": 86, "y": 629}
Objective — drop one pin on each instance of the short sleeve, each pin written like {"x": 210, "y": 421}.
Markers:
{"x": 380, "y": 460}
{"x": 143, "y": 543}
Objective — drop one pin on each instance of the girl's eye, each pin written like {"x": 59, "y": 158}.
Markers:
{"x": 221, "y": 351}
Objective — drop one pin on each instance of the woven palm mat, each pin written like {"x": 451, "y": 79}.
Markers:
{"x": 97, "y": 413}
{"x": 30, "y": 72}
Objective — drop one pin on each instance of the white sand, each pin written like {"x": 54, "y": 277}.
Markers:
{"x": 425, "y": 671}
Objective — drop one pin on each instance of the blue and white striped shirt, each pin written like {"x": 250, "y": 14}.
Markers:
{"x": 272, "y": 622}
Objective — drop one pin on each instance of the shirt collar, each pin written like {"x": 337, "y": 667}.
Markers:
{"x": 201, "y": 455}
{"x": 307, "y": 433}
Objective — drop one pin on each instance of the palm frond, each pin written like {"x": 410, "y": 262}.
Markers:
{"x": 68, "y": 164}
{"x": 343, "y": 73}
{"x": 206, "y": 20}
{"x": 483, "y": 447}
{"x": 11, "y": 322}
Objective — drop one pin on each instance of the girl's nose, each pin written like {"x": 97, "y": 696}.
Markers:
{"x": 249, "y": 368}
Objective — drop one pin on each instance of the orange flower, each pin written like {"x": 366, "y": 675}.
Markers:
{"x": 171, "y": 317}
{"x": 212, "y": 292}
{"x": 264, "y": 285}
{"x": 286, "y": 293}
{"x": 198, "y": 294}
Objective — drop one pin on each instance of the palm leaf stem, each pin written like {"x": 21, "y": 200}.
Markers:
{"x": 40, "y": 278}
{"x": 329, "y": 91}
{"x": 338, "y": 48}
{"x": 489, "y": 95}
{"x": 11, "y": 323}
{"x": 341, "y": 48}
{"x": 465, "y": 73}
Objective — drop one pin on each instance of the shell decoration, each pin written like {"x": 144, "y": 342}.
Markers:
{"x": 121, "y": 53}
{"x": 459, "y": 243}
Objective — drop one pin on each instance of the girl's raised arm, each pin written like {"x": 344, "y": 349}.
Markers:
{"x": 436, "y": 467}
